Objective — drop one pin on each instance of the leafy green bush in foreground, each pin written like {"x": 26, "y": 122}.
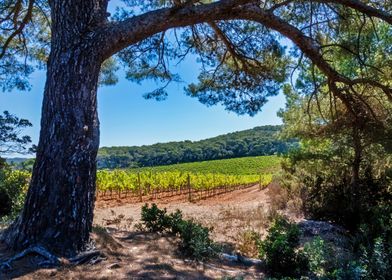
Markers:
{"x": 13, "y": 186}
{"x": 195, "y": 240}
{"x": 279, "y": 252}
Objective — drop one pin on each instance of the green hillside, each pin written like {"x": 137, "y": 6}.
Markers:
{"x": 234, "y": 166}
{"x": 258, "y": 141}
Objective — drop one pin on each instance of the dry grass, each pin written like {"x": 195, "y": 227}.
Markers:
{"x": 284, "y": 201}
{"x": 295, "y": 207}
{"x": 258, "y": 218}
{"x": 105, "y": 241}
{"x": 119, "y": 222}
{"x": 247, "y": 243}
{"x": 278, "y": 196}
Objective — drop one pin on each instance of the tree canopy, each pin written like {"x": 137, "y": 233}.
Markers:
{"x": 239, "y": 45}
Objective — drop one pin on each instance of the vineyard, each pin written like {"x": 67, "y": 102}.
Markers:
{"x": 238, "y": 166}
{"x": 192, "y": 180}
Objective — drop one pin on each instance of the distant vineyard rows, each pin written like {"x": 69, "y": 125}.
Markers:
{"x": 197, "y": 179}
{"x": 235, "y": 166}
{"x": 147, "y": 183}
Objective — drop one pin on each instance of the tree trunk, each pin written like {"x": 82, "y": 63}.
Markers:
{"x": 58, "y": 211}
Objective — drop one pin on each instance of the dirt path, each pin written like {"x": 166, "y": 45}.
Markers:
{"x": 228, "y": 214}
{"x": 131, "y": 254}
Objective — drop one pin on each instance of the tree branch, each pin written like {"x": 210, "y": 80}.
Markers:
{"x": 353, "y": 4}
{"x": 122, "y": 34}
{"x": 18, "y": 30}
{"x": 311, "y": 49}
{"x": 119, "y": 35}
{"x": 361, "y": 7}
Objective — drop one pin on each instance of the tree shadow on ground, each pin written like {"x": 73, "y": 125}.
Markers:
{"x": 131, "y": 255}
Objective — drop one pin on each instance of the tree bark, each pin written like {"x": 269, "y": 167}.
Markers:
{"x": 58, "y": 211}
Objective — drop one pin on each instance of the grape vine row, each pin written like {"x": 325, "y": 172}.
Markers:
{"x": 148, "y": 183}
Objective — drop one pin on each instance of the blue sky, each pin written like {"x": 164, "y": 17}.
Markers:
{"x": 128, "y": 119}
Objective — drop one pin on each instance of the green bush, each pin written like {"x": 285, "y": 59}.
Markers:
{"x": 195, "y": 240}
{"x": 375, "y": 260}
{"x": 175, "y": 222}
{"x": 279, "y": 250}
{"x": 154, "y": 219}
{"x": 375, "y": 244}
{"x": 324, "y": 263}
{"x": 13, "y": 187}
{"x": 316, "y": 255}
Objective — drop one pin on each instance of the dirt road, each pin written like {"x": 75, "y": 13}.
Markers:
{"x": 228, "y": 214}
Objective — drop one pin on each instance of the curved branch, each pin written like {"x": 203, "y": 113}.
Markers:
{"x": 307, "y": 45}
{"x": 122, "y": 34}
{"x": 361, "y": 7}
{"x": 311, "y": 49}
{"x": 119, "y": 35}
{"x": 353, "y": 4}
{"x": 134, "y": 29}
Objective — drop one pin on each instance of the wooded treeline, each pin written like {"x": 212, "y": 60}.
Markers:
{"x": 262, "y": 140}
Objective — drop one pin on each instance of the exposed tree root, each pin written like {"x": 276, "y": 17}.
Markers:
{"x": 52, "y": 260}
{"x": 239, "y": 259}
{"x": 91, "y": 257}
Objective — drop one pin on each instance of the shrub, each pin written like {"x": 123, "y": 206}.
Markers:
{"x": 155, "y": 219}
{"x": 316, "y": 254}
{"x": 13, "y": 187}
{"x": 175, "y": 222}
{"x": 195, "y": 240}
{"x": 375, "y": 244}
{"x": 375, "y": 260}
{"x": 279, "y": 250}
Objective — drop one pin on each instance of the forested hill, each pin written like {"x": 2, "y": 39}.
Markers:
{"x": 261, "y": 140}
